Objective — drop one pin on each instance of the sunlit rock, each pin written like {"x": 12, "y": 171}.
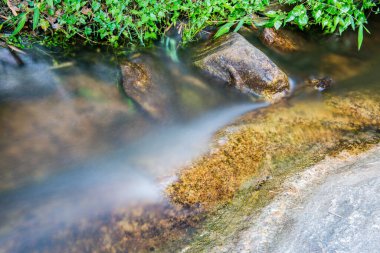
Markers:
{"x": 235, "y": 61}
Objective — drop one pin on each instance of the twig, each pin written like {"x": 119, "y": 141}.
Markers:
{"x": 16, "y": 49}
{"x": 13, "y": 51}
{"x": 17, "y": 58}
{"x": 62, "y": 65}
{"x": 12, "y": 8}
{"x": 84, "y": 37}
{"x": 337, "y": 215}
{"x": 168, "y": 28}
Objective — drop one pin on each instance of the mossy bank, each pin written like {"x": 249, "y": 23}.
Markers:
{"x": 252, "y": 157}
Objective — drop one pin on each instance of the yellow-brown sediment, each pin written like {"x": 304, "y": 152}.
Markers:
{"x": 278, "y": 133}
{"x": 142, "y": 227}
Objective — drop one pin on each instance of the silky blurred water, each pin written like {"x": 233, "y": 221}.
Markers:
{"x": 74, "y": 146}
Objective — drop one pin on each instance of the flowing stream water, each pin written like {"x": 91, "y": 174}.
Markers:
{"x": 74, "y": 147}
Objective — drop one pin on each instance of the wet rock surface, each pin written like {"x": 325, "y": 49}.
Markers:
{"x": 167, "y": 91}
{"x": 252, "y": 158}
{"x": 281, "y": 40}
{"x": 342, "y": 215}
{"x": 255, "y": 144}
{"x": 235, "y": 61}
{"x": 141, "y": 83}
{"x": 330, "y": 207}
{"x": 320, "y": 83}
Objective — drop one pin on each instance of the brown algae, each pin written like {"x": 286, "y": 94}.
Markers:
{"x": 244, "y": 173}
{"x": 278, "y": 133}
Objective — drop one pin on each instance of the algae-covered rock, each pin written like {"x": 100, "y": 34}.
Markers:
{"x": 243, "y": 173}
{"x": 144, "y": 86}
{"x": 235, "y": 61}
{"x": 278, "y": 133}
{"x": 281, "y": 40}
{"x": 320, "y": 83}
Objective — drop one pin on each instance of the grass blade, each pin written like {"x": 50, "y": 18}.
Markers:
{"x": 239, "y": 25}
{"x": 360, "y": 36}
{"x": 223, "y": 29}
{"x": 36, "y": 17}
{"x": 21, "y": 23}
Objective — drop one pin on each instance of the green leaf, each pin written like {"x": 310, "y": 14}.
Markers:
{"x": 87, "y": 30}
{"x": 290, "y": 17}
{"x": 352, "y": 23}
{"x": 50, "y": 3}
{"x": 360, "y": 36}
{"x": 317, "y": 14}
{"x": 36, "y": 17}
{"x": 239, "y": 25}
{"x": 271, "y": 14}
{"x": 277, "y": 24}
{"x": 44, "y": 24}
{"x": 21, "y": 23}
{"x": 95, "y": 6}
{"x": 223, "y": 29}
{"x": 299, "y": 10}
{"x": 303, "y": 19}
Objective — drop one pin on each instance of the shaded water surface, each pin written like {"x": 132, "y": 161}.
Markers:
{"x": 74, "y": 148}
{"x": 83, "y": 167}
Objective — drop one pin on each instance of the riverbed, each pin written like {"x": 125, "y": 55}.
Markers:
{"x": 86, "y": 168}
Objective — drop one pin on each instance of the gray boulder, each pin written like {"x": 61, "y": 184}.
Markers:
{"x": 232, "y": 59}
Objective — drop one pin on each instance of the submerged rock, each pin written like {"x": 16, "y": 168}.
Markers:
{"x": 341, "y": 67}
{"x": 320, "y": 83}
{"x": 235, "y": 61}
{"x": 262, "y": 143}
{"x": 244, "y": 173}
{"x": 170, "y": 91}
{"x": 281, "y": 40}
{"x": 40, "y": 137}
{"x": 142, "y": 85}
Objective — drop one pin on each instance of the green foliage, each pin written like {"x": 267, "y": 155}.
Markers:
{"x": 36, "y": 17}
{"x": 21, "y": 20}
{"x": 331, "y": 15}
{"x": 141, "y": 22}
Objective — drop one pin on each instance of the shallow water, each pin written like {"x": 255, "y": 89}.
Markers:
{"x": 74, "y": 149}
{"x": 74, "y": 146}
